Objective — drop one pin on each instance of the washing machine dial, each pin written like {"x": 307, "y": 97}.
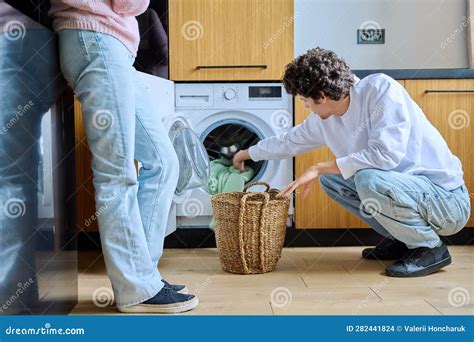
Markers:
{"x": 230, "y": 94}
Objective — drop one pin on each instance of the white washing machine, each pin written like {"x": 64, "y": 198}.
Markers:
{"x": 204, "y": 118}
{"x": 226, "y": 115}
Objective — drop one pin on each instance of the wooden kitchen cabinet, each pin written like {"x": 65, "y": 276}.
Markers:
{"x": 230, "y": 40}
{"x": 449, "y": 107}
{"x": 85, "y": 202}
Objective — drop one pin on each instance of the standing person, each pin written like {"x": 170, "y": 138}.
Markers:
{"x": 390, "y": 161}
{"x": 98, "y": 41}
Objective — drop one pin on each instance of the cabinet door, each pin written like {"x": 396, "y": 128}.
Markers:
{"x": 317, "y": 210}
{"x": 449, "y": 109}
{"x": 230, "y": 40}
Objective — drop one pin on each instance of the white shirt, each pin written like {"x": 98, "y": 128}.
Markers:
{"x": 383, "y": 128}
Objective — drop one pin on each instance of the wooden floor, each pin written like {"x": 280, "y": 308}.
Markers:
{"x": 308, "y": 281}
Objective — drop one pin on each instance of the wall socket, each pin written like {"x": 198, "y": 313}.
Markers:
{"x": 371, "y": 36}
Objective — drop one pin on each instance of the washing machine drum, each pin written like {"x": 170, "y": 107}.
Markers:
{"x": 192, "y": 156}
{"x": 225, "y": 138}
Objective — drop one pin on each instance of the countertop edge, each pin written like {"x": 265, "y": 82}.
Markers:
{"x": 419, "y": 74}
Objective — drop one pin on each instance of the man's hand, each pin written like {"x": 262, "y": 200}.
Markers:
{"x": 239, "y": 158}
{"x": 306, "y": 180}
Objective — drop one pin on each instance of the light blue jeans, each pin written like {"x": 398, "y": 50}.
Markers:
{"x": 399, "y": 206}
{"x": 122, "y": 125}
{"x": 30, "y": 83}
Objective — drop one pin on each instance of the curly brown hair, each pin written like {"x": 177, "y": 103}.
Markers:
{"x": 316, "y": 71}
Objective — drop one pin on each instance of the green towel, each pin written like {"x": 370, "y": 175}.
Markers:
{"x": 226, "y": 178}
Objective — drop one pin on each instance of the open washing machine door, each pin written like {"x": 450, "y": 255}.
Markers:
{"x": 193, "y": 159}
{"x": 194, "y": 167}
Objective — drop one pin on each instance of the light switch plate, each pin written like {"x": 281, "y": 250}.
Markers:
{"x": 371, "y": 36}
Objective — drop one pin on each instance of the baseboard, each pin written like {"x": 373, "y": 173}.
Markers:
{"x": 204, "y": 238}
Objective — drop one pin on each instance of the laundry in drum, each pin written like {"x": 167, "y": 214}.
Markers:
{"x": 227, "y": 139}
{"x": 229, "y": 151}
{"x": 226, "y": 178}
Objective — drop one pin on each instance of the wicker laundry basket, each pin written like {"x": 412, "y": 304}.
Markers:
{"x": 250, "y": 229}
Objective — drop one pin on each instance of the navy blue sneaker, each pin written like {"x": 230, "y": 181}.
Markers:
{"x": 178, "y": 288}
{"x": 167, "y": 301}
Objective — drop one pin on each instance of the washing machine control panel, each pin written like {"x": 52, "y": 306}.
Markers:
{"x": 268, "y": 92}
{"x": 230, "y": 94}
{"x": 236, "y": 96}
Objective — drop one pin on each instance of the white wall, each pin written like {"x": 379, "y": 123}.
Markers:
{"x": 418, "y": 33}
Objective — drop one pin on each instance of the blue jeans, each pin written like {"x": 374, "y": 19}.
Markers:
{"x": 399, "y": 206}
{"x": 30, "y": 83}
{"x": 121, "y": 125}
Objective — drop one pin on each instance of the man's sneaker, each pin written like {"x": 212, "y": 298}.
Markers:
{"x": 178, "y": 288}
{"x": 166, "y": 301}
{"x": 386, "y": 250}
{"x": 420, "y": 262}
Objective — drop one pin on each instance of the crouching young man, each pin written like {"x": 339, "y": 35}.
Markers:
{"x": 393, "y": 169}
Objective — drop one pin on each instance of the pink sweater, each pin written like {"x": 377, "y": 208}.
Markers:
{"x": 112, "y": 17}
